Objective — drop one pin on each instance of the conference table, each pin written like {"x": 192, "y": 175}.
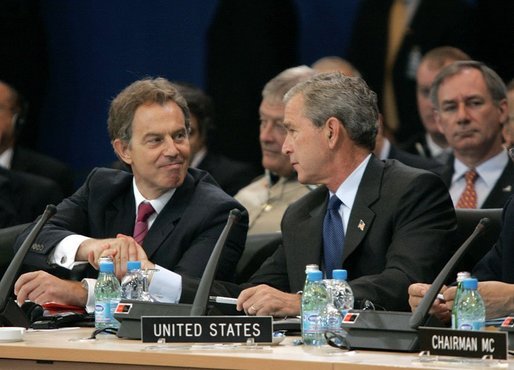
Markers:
{"x": 69, "y": 348}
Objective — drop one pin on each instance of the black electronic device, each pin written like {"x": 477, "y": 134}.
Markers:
{"x": 129, "y": 312}
{"x": 11, "y": 313}
{"x": 398, "y": 331}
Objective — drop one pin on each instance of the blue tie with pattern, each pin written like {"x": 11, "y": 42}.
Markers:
{"x": 333, "y": 236}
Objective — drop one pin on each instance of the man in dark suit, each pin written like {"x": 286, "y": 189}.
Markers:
{"x": 148, "y": 125}
{"x": 230, "y": 174}
{"x": 471, "y": 107}
{"x": 16, "y": 158}
{"x": 494, "y": 272}
{"x": 398, "y": 221}
{"x": 426, "y": 25}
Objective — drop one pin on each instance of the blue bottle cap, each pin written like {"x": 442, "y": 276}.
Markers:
{"x": 340, "y": 274}
{"x": 470, "y": 283}
{"x": 314, "y": 275}
{"x": 133, "y": 265}
{"x": 106, "y": 266}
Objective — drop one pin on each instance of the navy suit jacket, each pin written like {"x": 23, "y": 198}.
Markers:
{"x": 498, "y": 263}
{"x": 501, "y": 191}
{"x": 400, "y": 231}
{"x": 180, "y": 239}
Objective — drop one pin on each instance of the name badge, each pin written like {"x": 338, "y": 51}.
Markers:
{"x": 463, "y": 343}
{"x": 206, "y": 329}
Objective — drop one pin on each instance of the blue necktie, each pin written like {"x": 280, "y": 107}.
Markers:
{"x": 333, "y": 236}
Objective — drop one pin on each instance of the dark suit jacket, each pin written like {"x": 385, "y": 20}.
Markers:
{"x": 23, "y": 196}
{"x": 181, "y": 238}
{"x": 436, "y": 23}
{"x": 400, "y": 231}
{"x": 414, "y": 160}
{"x": 498, "y": 263}
{"x": 230, "y": 174}
{"x": 501, "y": 191}
{"x": 39, "y": 164}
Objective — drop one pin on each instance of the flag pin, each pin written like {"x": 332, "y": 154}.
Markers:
{"x": 507, "y": 189}
{"x": 361, "y": 225}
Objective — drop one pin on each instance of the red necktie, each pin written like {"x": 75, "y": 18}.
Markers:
{"x": 144, "y": 211}
{"x": 468, "y": 198}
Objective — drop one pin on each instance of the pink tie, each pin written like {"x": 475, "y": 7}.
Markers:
{"x": 144, "y": 211}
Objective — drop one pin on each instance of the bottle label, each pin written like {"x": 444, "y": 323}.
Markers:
{"x": 311, "y": 322}
{"x": 472, "y": 325}
{"x": 104, "y": 311}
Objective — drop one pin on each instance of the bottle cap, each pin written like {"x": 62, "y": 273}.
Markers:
{"x": 314, "y": 275}
{"x": 339, "y": 274}
{"x": 311, "y": 267}
{"x": 470, "y": 283}
{"x": 133, "y": 265}
{"x": 106, "y": 266}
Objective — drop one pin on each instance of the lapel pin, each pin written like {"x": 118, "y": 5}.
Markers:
{"x": 507, "y": 189}
{"x": 361, "y": 225}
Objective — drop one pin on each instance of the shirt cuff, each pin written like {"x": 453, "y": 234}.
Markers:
{"x": 65, "y": 252}
{"x": 166, "y": 285}
{"x": 90, "y": 285}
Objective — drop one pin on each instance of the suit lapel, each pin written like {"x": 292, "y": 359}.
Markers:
{"x": 503, "y": 188}
{"x": 169, "y": 217}
{"x": 362, "y": 216}
{"x": 120, "y": 214}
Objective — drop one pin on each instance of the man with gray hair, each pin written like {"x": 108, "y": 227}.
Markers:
{"x": 267, "y": 198}
{"x": 386, "y": 223}
{"x": 470, "y": 101}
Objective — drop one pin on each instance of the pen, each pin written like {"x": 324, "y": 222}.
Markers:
{"x": 226, "y": 300}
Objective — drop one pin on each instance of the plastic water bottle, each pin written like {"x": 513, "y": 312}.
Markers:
{"x": 331, "y": 316}
{"x": 342, "y": 293}
{"x": 132, "y": 283}
{"x": 107, "y": 296}
{"x": 460, "y": 277}
{"x": 314, "y": 300}
{"x": 470, "y": 307}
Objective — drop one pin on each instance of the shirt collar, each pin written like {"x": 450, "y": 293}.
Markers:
{"x": 199, "y": 156}
{"x": 157, "y": 204}
{"x": 6, "y": 158}
{"x": 347, "y": 191}
{"x": 488, "y": 171}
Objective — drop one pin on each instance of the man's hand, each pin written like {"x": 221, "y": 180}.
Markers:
{"x": 498, "y": 298}
{"x": 439, "y": 308}
{"x": 264, "y": 300}
{"x": 41, "y": 287}
{"x": 123, "y": 249}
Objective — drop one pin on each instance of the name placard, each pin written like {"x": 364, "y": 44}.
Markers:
{"x": 219, "y": 329}
{"x": 463, "y": 343}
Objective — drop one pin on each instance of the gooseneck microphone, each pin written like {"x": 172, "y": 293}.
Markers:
{"x": 420, "y": 315}
{"x": 10, "y": 313}
{"x": 202, "y": 294}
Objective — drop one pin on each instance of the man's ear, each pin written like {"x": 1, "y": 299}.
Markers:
{"x": 122, "y": 151}
{"x": 333, "y": 130}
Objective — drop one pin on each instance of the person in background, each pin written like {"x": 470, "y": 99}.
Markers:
{"x": 395, "y": 223}
{"x": 17, "y": 158}
{"x": 162, "y": 213}
{"x": 508, "y": 127}
{"x": 431, "y": 143}
{"x": 267, "y": 198}
{"x": 230, "y": 174}
{"x": 470, "y": 102}
{"x": 335, "y": 64}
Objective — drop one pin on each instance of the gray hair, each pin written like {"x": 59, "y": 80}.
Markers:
{"x": 493, "y": 82}
{"x": 124, "y": 106}
{"x": 277, "y": 87}
{"x": 349, "y": 99}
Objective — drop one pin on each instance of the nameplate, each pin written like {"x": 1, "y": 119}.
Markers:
{"x": 463, "y": 343}
{"x": 219, "y": 329}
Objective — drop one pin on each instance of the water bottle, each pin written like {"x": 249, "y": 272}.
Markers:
{"x": 314, "y": 300}
{"x": 311, "y": 267}
{"x": 107, "y": 296}
{"x": 460, "y": 277}
{"x": 132, "y": 284}
{"x": 331, "y": 316}
{"x": 342, "y": 294}
{"x": 470, "y": 307}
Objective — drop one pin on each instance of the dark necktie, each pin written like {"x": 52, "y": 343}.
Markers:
{"x": 333, "y": 236}
{"x": 468, "y": 198}
{"x": 144, "y": 211}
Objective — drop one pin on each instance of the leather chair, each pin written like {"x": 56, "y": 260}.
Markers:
{"x": 467, "y": 220}
{"x": 258, "y": 247}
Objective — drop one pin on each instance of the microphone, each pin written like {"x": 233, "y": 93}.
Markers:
{"x": 420, "y": 315}
{"x": 10, "y": 313}
{"x": 398, "y": 331}
{"x": 129, "y": 312}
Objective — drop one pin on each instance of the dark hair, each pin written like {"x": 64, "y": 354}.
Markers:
{"x": 200, "y": 105}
